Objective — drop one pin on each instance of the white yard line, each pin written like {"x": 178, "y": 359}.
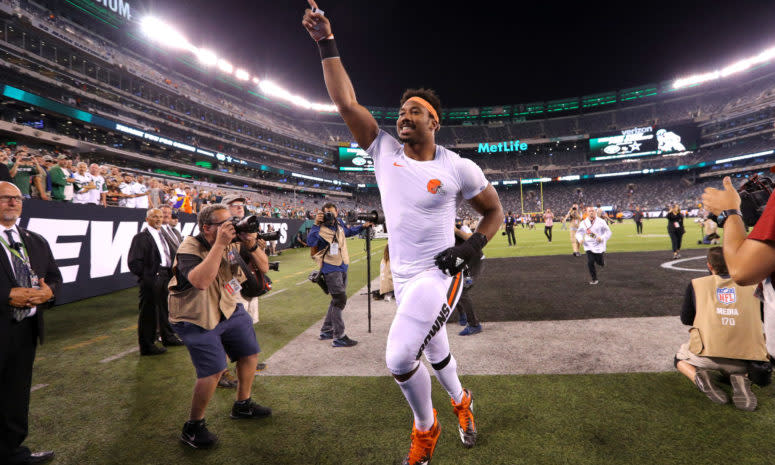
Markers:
{"x": 120, "y": 355}
{"x": 273, "y": 293}
{"x": 37, "y": 386}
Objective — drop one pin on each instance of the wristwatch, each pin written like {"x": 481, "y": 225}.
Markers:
{"x": 724, "y": 215}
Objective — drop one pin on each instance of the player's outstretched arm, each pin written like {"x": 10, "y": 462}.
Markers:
{"x": 359, "y": 120}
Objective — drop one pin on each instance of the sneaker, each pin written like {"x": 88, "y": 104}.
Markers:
{"x": 196, "y": 435}
{"x": 260, "y": 366}
{"x": 423, "y": 444}
{"x": 227, "y": 380}
{"x": 742, "y": 396}
{"x": 326, "y": 335}
{"x": 469, "y": 330}
{"x": 172, "y": 342}
{"x": 465, "y": 417}
{"x": 576, "y": 254}
{"x": 153, "y": 350}
{"x": 593, "y": 282}
{"x": 249, "y": 409}
{"x": 343, "y": 341}
{"x": 705, "y": 385}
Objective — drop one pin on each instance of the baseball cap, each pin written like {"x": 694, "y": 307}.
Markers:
{"x": 62, "y": 157}
{"x": 229, "y": 199}
{"x": 48, "y": 158}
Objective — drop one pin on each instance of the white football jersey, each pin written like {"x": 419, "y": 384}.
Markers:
{"x": 420, "y": 200}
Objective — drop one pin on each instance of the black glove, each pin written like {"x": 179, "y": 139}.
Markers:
{"x": 454, "y": 259}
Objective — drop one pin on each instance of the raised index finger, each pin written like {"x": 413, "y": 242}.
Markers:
{"x": 312, "y": 4}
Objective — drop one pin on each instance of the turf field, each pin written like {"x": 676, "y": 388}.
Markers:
{"x": 96, "y": 402}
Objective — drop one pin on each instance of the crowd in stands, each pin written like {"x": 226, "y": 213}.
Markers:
{"x": 61, "y": 176}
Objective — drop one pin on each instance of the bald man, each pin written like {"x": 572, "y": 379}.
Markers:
{"x": 150, "y": 259}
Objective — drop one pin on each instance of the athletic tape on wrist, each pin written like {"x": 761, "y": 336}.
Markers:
{"x": 327, "y": 48}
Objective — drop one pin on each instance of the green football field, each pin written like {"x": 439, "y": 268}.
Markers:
{"x": 96, "y": 402}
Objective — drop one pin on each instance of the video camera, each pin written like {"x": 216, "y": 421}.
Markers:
{"x": 754, "y": 195}
{"x": 250, "y": 224}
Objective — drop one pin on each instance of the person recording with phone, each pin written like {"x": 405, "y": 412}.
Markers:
{"x": 329, "y": 250}
{"x": 750, "y": 260}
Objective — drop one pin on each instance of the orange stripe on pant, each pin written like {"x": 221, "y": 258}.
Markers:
{"x": 453, "y": 289}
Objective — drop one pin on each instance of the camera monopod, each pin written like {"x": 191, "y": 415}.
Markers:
{"x": 376, "y": 218}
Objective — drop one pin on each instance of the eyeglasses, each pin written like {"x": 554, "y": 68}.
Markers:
{"x": 211, "y": 224}
{"x": 237, "y": 205}
{"x": 8, "y": 198}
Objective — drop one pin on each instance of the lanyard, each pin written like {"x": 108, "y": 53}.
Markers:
{"x": 23, "y": 258}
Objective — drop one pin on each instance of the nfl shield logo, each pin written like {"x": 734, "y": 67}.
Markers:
{"x": 726, "y": 295}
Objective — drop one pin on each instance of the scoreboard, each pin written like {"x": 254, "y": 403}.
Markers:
{"x": 643, "y": 142}
{"x": 354, "y": 158}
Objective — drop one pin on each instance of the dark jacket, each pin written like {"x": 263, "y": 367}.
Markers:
{"x": 673, "y": 218}
{"x": 144, "y": 257}
{"x": 43, "y": 264}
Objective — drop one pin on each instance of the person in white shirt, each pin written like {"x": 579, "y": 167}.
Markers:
{"x": 421, "y": 185}
{"x": 86, "y": 182}
{"x": 97, "y": 196}
{"x": 593, "y": 233}
{"x": 126, "y": 188}
{"x": 141, "y": 193}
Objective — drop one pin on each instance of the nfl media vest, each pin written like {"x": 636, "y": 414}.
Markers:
{"x": 343, "y": 257}
{"x": 204, "y": 307}
{"x": 728, "y": 322}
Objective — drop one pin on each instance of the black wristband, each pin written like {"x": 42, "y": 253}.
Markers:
{"x": 253, "y": 249}
{"x": 327, "y": 48}
{"x": 478, "y": 240}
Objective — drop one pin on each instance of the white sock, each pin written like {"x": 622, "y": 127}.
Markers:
{"x": 417, "y": 391}
{"x": 448, "y": 378}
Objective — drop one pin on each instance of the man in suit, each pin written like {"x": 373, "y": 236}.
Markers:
{"x": 168, "y": 230}
{"x": 29, "y": 281}
{"x": 150, "y": 259}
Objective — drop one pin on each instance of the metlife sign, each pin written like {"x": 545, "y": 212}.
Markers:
{"x": 91, "y": 243}
{"x": 502, "y": 147}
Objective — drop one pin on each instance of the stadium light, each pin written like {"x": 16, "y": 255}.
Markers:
{"x": 225, "y": 66}
{"x": 163, "y": 33}
{"x": 159, "y": 31}
{"x": 207, "y": 57}
{"x": 734, "y": 68}
{"x": 273, "y": 90}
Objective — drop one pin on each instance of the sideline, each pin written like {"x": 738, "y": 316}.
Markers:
{"x": 671, "y": 265}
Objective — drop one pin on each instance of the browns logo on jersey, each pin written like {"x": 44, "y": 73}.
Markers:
{"x": 435, "y": 186}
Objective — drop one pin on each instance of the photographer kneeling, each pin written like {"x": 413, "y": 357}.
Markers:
{"x": 207, "y": 311}
{"x": 750, "y": 260}
{"x": 329, "y": 249}
{"x": 726, "y": 335}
